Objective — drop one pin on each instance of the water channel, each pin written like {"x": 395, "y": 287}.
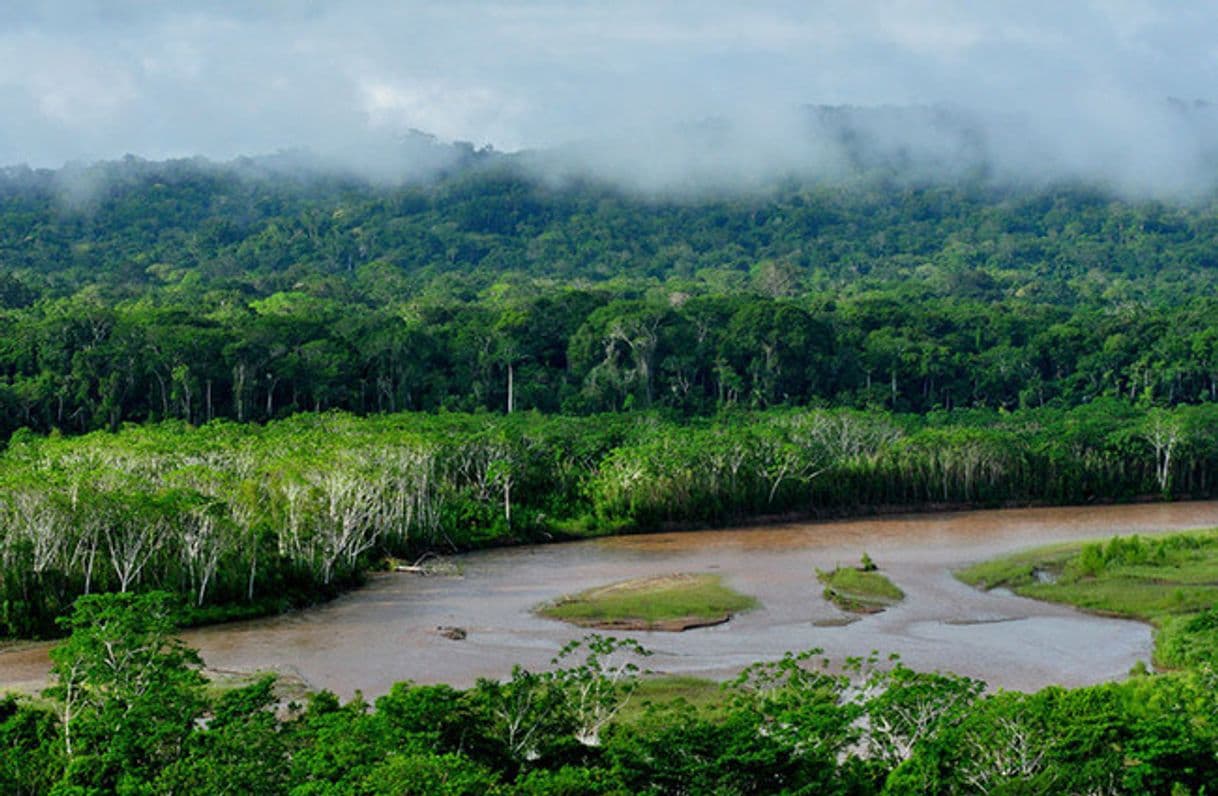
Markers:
{"x": 387, "y": 631}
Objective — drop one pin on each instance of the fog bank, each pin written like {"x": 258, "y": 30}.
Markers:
{"x": 655, "y": 96}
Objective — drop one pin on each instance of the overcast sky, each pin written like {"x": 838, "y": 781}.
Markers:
{"x": 87, "y": 80}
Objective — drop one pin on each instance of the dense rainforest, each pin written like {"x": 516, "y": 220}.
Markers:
{"x": 134, "y": 291}
{"x": 497, "y": 356}
{"x": 229, "y": 389}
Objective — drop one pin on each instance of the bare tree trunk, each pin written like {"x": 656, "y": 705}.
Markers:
{"x": 187, "y": 397}
{"x": 249, "y": 589}
{"x": 507, "y": 502}
{"x": 239, "y": 390}
{"x": 164, "y": 395}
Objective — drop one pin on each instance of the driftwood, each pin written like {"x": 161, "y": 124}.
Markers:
{"x": 430, "y": 564}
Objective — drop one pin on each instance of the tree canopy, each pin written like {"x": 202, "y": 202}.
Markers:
{"x": 192, "y": 290}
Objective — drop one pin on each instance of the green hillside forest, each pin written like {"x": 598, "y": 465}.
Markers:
{"x": 232, "y": 389}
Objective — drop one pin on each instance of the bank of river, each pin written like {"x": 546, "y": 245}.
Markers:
{"x": 387, "y": 631}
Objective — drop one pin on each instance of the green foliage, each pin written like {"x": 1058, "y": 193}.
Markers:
{"x": 523, "y": 718}
{"x": 242, "y": 519}
{"x": 31, "y": 749}
{"x": 1169, "y": 581}
{"x": 1091, "y": 560}
{"x": 196, "y": 291}
{"x": 1137, "y": 737}
{"x": 794, "y": 725}
{"x": 241, "y": 752}
{"x": 978, "y": 347}
{"x": 129, "y": 691}
{"x": 570, "y": 781}
{"x": 428, "y": 774}
{"x": 908, "y": 707}
{"x": 598, "y": 688}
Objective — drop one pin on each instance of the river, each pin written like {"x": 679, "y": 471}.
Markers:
{"x": 387, "y": 631}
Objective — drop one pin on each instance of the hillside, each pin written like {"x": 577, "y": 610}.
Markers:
{"x": 136, "y": 291}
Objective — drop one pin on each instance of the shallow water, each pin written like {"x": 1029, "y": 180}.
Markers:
{"x": 386, "y": 632}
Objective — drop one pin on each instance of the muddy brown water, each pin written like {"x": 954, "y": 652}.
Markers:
{"x": 371, "y": 638}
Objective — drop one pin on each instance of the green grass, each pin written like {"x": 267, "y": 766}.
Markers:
{"x": 1170, "y": 582}
{"x": 665, "y": 690}
{"x": 1018, "y": 568}
{"x": 659, "y": 603}
{"x": 856, "y": 590}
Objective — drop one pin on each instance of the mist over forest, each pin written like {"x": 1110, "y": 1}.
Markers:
{"x": 1169, "y": 155}
{"x": 298, "y": 294}
{"x": 671, "y": 97}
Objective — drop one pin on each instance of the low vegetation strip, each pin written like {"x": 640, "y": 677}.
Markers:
{"x": 1170, "y": 582}
{"x": 859, "y": 590}
{"x": 242, "y": 519}
{"x": 665, "y": 602}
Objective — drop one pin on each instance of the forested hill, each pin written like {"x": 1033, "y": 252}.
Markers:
{"x": 135, "y": 290}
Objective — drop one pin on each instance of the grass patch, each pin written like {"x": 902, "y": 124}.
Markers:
{"x": 666, "y": 690}
{"x": 1170, "y": 582}
{"x": 664, "y": 602}
{"x": 858, "y": 590}
{"x": 1019, "y": 568}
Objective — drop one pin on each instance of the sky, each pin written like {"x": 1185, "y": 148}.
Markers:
{"x": 1077, "y": 87}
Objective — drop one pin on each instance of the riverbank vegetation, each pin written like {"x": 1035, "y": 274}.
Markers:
{"x": 129, "y": 713}
{"x": 1170, "y": 582}
{"x": 242, "y": 518}
{"x": 662, "y": 602}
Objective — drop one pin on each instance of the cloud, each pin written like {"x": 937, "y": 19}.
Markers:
{"x": 1076, "y": 88}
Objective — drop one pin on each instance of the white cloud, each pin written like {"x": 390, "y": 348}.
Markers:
{"x": 71, "y": 86}
{"x": 1089, "y": 77}
{"x": 449, "y": 111}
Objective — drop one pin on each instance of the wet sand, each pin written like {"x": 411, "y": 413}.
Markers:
{"x": 387, "y": 631}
